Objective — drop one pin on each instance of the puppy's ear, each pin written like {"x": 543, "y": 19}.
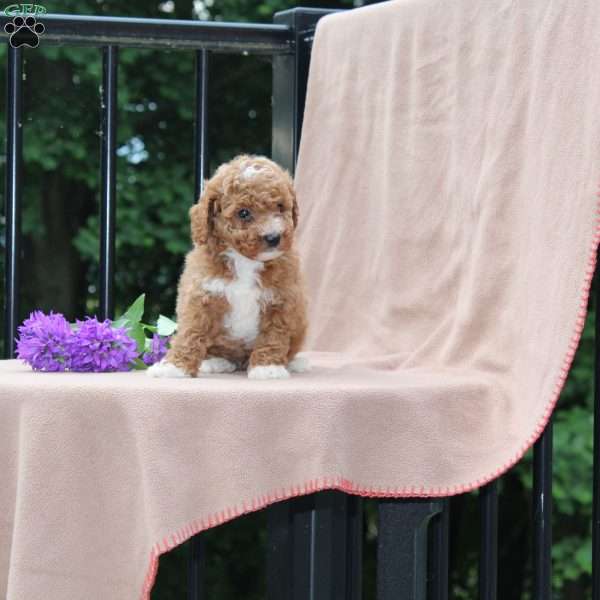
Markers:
{"x": 289, "y": 187}
{"x": 202, "y": 216}
{"x": 294, "y": 209}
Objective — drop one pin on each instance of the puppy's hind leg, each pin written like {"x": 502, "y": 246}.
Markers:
{"x": 296, "y": 363}
{"x": 299, "y": 364}
{"x": 216, "y": 364}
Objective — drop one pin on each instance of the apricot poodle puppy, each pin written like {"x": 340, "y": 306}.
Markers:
{"x": 240, "y": 300}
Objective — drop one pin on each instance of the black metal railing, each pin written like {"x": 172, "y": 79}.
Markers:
{"x": 596, "y": 484}
{"x": 314, "y": 548}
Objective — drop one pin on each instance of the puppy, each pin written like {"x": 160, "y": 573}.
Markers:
{"x": 240, "y": 300}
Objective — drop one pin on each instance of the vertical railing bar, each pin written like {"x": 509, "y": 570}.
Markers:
{"x": 488, "y": 553}
{"x": 196, "y": 568}
{"x": 302, "y": 523}
{"x": 596, "y": 478}
{"x": 279, "y": 552}
{"x": 282, "y": 542}
{"x": 440, "y": 548}
{"x": 354, "y": 548}
{"x": 13, "y": 195}
{"x": 542, "y": 516}
{"x": 200, "y": 148}
{"x": 312, "y": 536}
{"x": 109, "y": 180}
{"x": 197, "y": 551}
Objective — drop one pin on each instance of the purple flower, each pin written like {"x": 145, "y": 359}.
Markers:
{"x": 44, "y": 340}
{"x": 157, "y": 350}
{"x": 98, "y": 346}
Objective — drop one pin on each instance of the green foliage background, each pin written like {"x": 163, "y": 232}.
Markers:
{"x": 155, "y": 190}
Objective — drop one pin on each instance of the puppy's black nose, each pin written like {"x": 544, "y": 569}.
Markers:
{"x": 272, "y": 239}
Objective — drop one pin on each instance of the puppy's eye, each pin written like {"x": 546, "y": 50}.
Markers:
{"x": 281, "y": 207}
{"x": 244, "y": 214}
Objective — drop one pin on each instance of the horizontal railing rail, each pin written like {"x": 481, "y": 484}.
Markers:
{"x": 163, "y": 33}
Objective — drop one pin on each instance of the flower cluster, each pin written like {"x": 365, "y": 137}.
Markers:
{"x": 158, "y": 349}
{"x": 50, "y": 343}
{"x": 98, "y": 346}
{"x": 44, "y": 341}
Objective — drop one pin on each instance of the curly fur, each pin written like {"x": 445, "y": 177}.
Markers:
{"x": 239, "y": 299}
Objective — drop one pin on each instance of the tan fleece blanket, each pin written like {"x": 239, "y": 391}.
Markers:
{"x": 448, "y": 188}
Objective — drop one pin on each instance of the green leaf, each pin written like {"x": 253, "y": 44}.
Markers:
{"x": 139, "y": 364}
{"x": 150, "y": 328}
{"x": 134, "y": 313}
{"x": 121, "y": 322}
{"x": 165, "y": 326}
{"x": 136, "y": 332}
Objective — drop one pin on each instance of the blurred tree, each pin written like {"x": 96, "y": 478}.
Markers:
{"x": 155, "y": 165}
{"x": 155, "y": 190}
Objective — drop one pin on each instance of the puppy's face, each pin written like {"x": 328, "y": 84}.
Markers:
{"x": 249, "y": 205}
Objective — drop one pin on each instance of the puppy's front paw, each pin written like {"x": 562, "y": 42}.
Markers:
{"x": 268, "y": 372}
{"x": 217, "y": 365}
{"x": 299, "y": 364}
{"x": 165, "y": 369}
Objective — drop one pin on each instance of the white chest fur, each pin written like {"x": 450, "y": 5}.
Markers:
{"x": 244, "y": 294}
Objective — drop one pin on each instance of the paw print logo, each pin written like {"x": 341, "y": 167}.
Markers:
{"x": 24, "y": 32}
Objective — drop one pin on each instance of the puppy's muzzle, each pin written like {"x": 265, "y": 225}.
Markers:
{"x": 272, "y": 239}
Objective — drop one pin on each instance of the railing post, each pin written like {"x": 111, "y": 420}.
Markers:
{"x": 314, "y": 547}
{"x": 402, "y": 548}
{"x": 13, "y": 194}
{"x": 290, "y": 76}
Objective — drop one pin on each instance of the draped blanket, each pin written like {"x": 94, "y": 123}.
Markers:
{"x": 447, "y": 181}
